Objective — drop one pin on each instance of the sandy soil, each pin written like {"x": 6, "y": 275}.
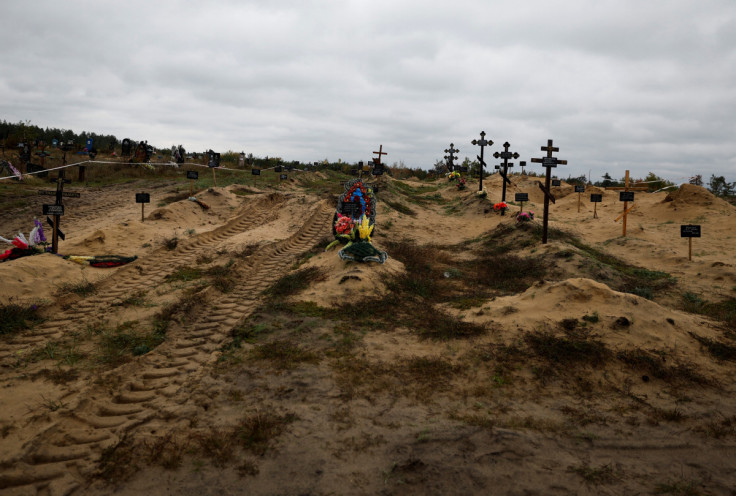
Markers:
{"x": 356, "y": 405}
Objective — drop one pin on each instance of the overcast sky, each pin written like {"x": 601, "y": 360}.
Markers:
{"x": 644, "y": 85}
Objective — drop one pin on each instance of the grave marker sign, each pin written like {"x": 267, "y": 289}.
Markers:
{"x": 595, "y": 199}
{"x": 579, "y": 189}
{"x": 521, "y": 198}
{"x": 690, "y": 231}
{"x": 548, "y": 162}
{"x": 142, "y": 198}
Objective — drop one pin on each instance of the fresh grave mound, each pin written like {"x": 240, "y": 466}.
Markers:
{"x": 692, "y": 195}
{"x": 348, "y": 281}
{"x": 621, "y": 320}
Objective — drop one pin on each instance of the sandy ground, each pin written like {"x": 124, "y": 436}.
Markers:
{"x": 175, "y": 419}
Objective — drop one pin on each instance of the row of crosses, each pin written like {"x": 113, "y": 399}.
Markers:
{"x": 548, "y": 162}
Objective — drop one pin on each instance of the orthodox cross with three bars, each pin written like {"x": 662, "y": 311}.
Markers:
{"x": 505, "y": 155}
{"x": 57, "y": 212}
{"x": 626, "y": 195}
{"x": 482, "y": 143}
{"x": 549, "y": 161}
{"x": 451, "y": 157}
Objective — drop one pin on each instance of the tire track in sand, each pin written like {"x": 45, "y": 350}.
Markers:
{"x": 143, "y": 274}
{"x": 57, "y": 460}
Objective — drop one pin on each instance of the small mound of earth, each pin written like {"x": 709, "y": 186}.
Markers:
{"x": 95, "y": 240}
{"x": 348, "y": 281}
{"x": 647, "y": 324}
{"x": 690, "y": 194}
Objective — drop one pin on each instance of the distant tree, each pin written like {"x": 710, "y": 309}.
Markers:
{"x": 697, "y": 180}
{"x": 719, "y": 187}
{"x": 439, "y": 167}
{"x": 655, "y": 183}
{"x": 607, "y": 181}
{"x": 580, "y": 180}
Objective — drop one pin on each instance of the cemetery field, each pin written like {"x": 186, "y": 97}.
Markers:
{"x": 236, "y": 356}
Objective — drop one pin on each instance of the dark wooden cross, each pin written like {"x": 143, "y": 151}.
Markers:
{"x": 56, "y": 224}
{"x": 482, "y": 143}
{"x": 451, "y": 157}
{"x": 505, "y": 155}
{"x": 377, "y": 160}
{"x": 549, "y": 161}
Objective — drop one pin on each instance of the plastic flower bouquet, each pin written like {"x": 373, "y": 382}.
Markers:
{"x": 453, "y": 176}
{"x": 524, "y": 217}
{"x": 482, "y": 194}
{"x": 500, "y": 207}
{"x": 460, "y": 183}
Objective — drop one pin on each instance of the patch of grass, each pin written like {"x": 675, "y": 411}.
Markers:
{"x": 506, "y": 273}
{"x": 400, "y": 207}
{"x": 171, "y": 243}
{"x": 255, "y": 432}
{"x": 15, "y": 318}
{"x": 593, "y": 318}
{"x": 283, "y": 354}
{"x": 430, "y": 323}
{"x": 717, "y": 349}
{"x": 567, "y": 349}
{"x": 294, "y": 282}
{"x": 126, "y": 340}
{"x": 725, "y": 310}
{"x": 184, "y": 274}
{"x": 678, "y": 488}
{"x": 468, "y": 302}
{"x": 222, "y": 277}
{"x": 654, "y": 365}
{"x": 82, "y": 288}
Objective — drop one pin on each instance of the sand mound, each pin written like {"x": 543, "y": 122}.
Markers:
{"x": 625, "y": 320}
{"x": 691, "y": 195}
{"x": 348, "y": 281}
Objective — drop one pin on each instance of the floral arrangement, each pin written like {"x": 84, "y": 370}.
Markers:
{"x": 500, "y": 207}
{"x": 453, "y": 176}
{"x": 482, "y": 193}
{"x": 35, "y": 243}
{"x": 460, "y": 183}
{"x": 525, "y": 217}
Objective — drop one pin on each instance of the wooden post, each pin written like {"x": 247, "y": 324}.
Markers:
{"x": 214, "y": 177}
{"x": 626, "y": 204}
{"x": 579, "y": 202}
{"x": 191, "y": 188}
{"x": 690, "y": 249}
{"x": 143, "y": 205}
{"x": 595, "y": 210}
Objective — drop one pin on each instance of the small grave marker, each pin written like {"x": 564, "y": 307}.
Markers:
{"x": 255, "y": 173}
{"x": 549, "y": 161}
{"x": 579, "y": 189}
{"x": 595, "y": 199}
{"x": 450, "y": 157}
{"x": 482, "y": 143}
{"x": 556, "y": 182}
{"x": 690, "y": 231}
{"x": 283, "y": 177}
{"x": 57, "y": 209}
{"x": 142, "y": 198}
{"x": 213, "y": 162}
{"x": 53, "y": 209}
{"x": 626, "y": 198}
{"x": 521, "y": 198}
{"x": 192, "y": 176}
{"x": 505, "y": 155}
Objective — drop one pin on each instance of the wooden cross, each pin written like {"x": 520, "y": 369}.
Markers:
{"x": 377, "y": 160}
{"x": 505, "y": 155}
{"x": 549, "y": 161}
{"x": 60, "y": 182}
{"x": 626, "y": 189}
{"x": 482, "y": 143}
{"x": 451, "y": 157}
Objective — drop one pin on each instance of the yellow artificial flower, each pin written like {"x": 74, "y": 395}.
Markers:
{"x": 365, "y": 229}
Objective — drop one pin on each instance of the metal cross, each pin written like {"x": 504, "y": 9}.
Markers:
{"x": 451, "y": 157}
{"x": 482, "y": 143}
{"x": 549, "y": 161}
{"x": 505, "y": 155}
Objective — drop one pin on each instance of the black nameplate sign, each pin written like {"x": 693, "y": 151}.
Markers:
{"x": 690, "y": 231}
{"x": 214, "y": 160}
{"x": 626, "y": 196}
{"x": 556, "y": 182}
{"x": 142, "y": 198}
{"x": 461, "y": 168}
{"x": 256, "y": 172}
{"x": 192, "y": 175}
{"x": 53, "y": 209}
{"x": 283, "y": 176}
{"x": 354, "y": 172}
{"x": 596, "y": 198}
{"x": 521, "y": 197}
{"x": 68, "y": 194}
{"x": 549, "y": 162}
{"x": 378, "y": 172}
{"x": 278, "y": 168}
{"x": 352, "y": 209}
{"x": 579, "y": 189}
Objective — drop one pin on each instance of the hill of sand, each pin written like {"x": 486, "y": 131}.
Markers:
{"x": 236, "y": 356}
